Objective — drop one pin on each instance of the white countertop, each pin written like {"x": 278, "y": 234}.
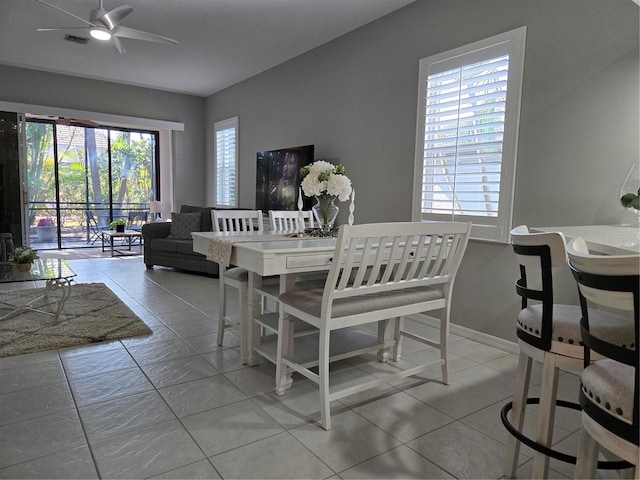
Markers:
{"x": 608, "y": 239}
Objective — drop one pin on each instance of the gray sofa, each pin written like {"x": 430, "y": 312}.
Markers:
{"x": 177, "y": 253}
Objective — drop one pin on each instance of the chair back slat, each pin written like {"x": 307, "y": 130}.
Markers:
{"x": 352, "y": 266}
{"x": 440, "y": 266}
{"x": 387, "y": 272}
{"x": 349, "y": 262}
{"x": 381, "y": 257}
{"x": 237, "y": 220}
{"x": 414, "y": 266}
{"x": 284, "y": 220}
{"x": 404, "y": 260}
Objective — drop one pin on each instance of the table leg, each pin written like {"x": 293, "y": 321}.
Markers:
{"x": 284, "y": 348}
{"x": 222, "y": 311}
{"x": 62, "y": 284}
{"x": 254, "y": 310}
{"x": 284, "y": 376}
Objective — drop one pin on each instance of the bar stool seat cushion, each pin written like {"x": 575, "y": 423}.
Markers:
{"x": 610, "y": 385}
{"x": 566, "y": 327}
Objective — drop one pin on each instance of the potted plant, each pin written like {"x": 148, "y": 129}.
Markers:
{"x": 46, "y": 229}
{"x": 23, "y": 257}
{"x": 118, "y": 224}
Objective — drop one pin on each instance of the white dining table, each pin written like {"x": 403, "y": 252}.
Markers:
{"x": 603, "y": 239}
{"x": 286, "y": 257}
{"x": 282, "y": 254}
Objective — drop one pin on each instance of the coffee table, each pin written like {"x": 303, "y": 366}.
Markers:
{"x": 54, "y": 271}
{"x": 110, "y": 236}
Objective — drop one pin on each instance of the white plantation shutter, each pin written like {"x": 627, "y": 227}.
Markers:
{"x": 467, "y": 134}
{"x": 463, "y": 138}
{"x": 226, "y": 151}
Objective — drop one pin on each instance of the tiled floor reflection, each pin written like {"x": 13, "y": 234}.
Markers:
{"x": 175, "y": 405}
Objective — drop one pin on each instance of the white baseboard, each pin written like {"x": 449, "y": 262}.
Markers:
{"x": 480, "y": 337}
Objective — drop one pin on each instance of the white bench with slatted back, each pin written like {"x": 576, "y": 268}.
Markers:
{"x": 379, "y": 272}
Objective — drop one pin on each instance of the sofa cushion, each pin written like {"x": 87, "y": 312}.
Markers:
{"x": 205, "y": 216}
{"x": 185, "y": 247}
{"x": 177, "y": 246}
{"x": 165, "y": 245}
{"x": 182, "y": 224}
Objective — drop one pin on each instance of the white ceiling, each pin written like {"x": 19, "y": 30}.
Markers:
{"x": 221, "y": 42}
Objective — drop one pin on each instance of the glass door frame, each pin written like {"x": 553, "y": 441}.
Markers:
{"x": 154, "y": 172}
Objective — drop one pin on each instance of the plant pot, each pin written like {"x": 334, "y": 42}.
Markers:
{"x": 120, "y": 228}
{"x": 46, "y": 233}
{"x": 23, "y": 267}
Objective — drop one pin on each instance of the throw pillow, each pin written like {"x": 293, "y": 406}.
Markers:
{"x": 205, "y": 218}
{"x": 182, "y": 224}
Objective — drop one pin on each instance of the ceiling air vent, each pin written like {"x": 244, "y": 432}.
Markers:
{"x": 74, "y": 39}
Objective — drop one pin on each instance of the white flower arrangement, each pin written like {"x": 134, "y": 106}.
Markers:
{"x": 323, "y": 178}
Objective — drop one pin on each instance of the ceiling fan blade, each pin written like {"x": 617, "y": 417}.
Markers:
{"x": 59, "y": 28}
{"x": 126, "y": 32}
{"x": 85, "y": 123}
{"x": 75, "y": 122}
{"x": 114, "y": 17}
{"x": 64, "y": 11}
{"x": 118, "y": 44}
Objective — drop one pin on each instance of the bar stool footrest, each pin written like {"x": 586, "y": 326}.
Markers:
{"x": 563, "y": 457}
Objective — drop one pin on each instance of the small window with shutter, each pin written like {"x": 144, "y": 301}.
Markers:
{"x": 226, "y": 152}
{"x": 468, "y": 115}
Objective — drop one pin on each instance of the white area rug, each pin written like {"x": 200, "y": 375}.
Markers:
{"x": 92, "y": 313}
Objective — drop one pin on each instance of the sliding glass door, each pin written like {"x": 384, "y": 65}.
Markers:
{"x": 82, "y": 177}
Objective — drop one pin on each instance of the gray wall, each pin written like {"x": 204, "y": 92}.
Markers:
{"x": 355, "y": 99}
{"x": 20, "y": 85}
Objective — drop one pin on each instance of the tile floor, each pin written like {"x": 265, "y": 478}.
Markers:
{"x": 175, "y": 405}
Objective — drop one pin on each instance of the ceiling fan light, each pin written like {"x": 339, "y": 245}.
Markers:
{"x": 100, "y": 33}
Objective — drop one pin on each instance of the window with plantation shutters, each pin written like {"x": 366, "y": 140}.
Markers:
{"x": 466, "y": 145}
{"x": 226, "y": 151}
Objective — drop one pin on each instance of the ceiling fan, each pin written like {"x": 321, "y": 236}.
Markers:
{"x": 66, "y": 121}
{"x": 103, "y": 25}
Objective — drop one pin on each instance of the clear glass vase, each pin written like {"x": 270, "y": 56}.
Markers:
{"x": 630, "y": 191}
{"x": 630, "y": 198}
{"x": 325, "y": 211}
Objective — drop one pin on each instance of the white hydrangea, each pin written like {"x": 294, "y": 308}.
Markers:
{"x": 316, "y": 168}
{"x": 322, "y": 178}
{"x": 312, "y": 186}
{"x": 339, "y": 185}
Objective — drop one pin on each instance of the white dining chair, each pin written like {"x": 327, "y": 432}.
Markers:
{"x": 285, "y": 220}
{"x": 378, "y": 272}
{"x": 548, "y": 333}
{"x": 236, "y": 221}
{"x": 609, "y": 385}
{"x": 289, "y": 220}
